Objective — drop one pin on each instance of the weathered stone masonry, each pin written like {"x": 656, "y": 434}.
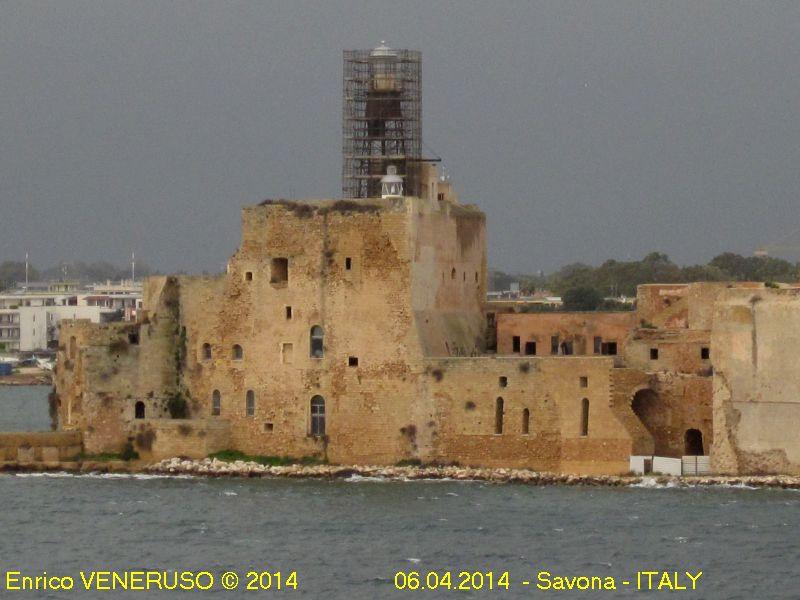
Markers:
{"x": 356, "y": 332}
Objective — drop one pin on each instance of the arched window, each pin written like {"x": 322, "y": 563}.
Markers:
{"x": 216, "y": 403}
{"x": 584, "y": 417}
{"x": 238, "y": 353}
{"x": 139, "y": 410}
{"x": 317, "y": 339}
{"x": 526, "y": 421}
{"x": 498, "y": 416}
{"x": 250, "y": 403}
{"x": 206, "y": 351}
{"x": 318, "y": 416}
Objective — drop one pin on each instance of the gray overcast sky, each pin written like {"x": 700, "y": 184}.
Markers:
{"x": 585, "y": 130}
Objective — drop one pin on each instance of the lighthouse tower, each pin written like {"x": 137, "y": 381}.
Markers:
{"x": 382, "y": 120}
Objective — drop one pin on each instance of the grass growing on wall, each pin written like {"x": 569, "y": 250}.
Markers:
{"x": 271, "y": 461}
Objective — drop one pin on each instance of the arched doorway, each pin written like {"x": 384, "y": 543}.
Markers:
{"x": 693, "y": 442}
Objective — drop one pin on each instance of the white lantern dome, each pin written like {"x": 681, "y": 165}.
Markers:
{"x": 391, "y": 183}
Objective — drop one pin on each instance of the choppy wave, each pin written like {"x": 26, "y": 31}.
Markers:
{"x": 66, "y": 474}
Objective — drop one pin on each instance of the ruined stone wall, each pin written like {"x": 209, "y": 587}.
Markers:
{"x": 44, "y": 447}
{"x": 756, "y": 381}
{"x": 349, "y": 271}
{"x": 449, "y": 275}
{"x": 465, "y": 392}
{"x": 685, "y": 351}
{"x": 579, "y": 328}
{"x": 104, "y": 370}
{"x": 158, "y": 439}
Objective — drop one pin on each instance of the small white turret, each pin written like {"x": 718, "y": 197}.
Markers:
{"x": 391, "y": 183}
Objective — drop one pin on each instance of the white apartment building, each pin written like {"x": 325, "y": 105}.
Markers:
{"x": 29, "y": 316}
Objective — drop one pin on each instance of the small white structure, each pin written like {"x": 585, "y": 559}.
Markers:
{"x": 391, "y": 184}
{"x": 687, "y": 465}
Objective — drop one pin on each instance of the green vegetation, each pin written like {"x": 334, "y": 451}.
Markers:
{"x": 581, "y": 298}
{"x": 128, "y": 453}
{"x": 177, "y": 406}
{"x": 617, "y": 278}
{"x": 271, "y": 461}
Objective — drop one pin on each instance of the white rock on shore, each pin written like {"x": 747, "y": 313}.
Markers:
{"x": 213, "y": 467}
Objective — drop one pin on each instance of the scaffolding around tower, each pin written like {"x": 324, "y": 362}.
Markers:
{"x": 381, "y": 119}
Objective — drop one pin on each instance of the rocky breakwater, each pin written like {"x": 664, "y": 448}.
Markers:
{"x": 212, "y": 467}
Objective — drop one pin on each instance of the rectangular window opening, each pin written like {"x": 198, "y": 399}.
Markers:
{"x": 598, "y": 345}
{"x": 268, "y": 427}
{"x": 705, "y": 353}
{"x": 248, "y": 276}
{"x": 515, "y": 343}
{"x": 609, "y": 348}
{"x": 653, "y": 353}
{"x": 554, "y": 344}
{"x": 288, "y": 312}
{"x": 352, "y": 361}
{"x": 348, "y": 263}
{"x": 279, "y": 272}
{"x": 584, "y": 382}
{"x": 530, "y": 348}
{"x": 504, "y": 382}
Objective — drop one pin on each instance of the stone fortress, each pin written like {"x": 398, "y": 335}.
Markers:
{"x": 358, "y": 331}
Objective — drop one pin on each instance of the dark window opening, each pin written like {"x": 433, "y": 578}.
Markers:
{"x": 352, "y": 361}
{"x": 566, "y": 348}
{"x": 440, "y": 196}
{"x": 453, "y": 274}
{"x": 584, "y": 417}
{"x": 498, "y": 416}
{"x": 206, "y": 351}
{"x": 504, "y": 382}
{"x": 476, "y": 277}
{"x": 238, "y": 353}
{"x": 653, "y": 353}
{"x": 554, "y": 344}
{"x": 526, "y": 421}
{"x": 248, "y": 276}
{"x": 348, "y": 263}
{"x": 279, "y": 273}
{"x": 584, "y": 382}
{"x": 139, "y": 410}
{"x": 216, "y": 403}
{"x": 705, "y": 353}
{"x": 693, "y": 442}
{"x": 250, "y": 403}
{"x": 598, "y": 344}
{"x": 515, "y": 343}
{"x": 530, "y": 348}
{"x": 317, "y": 341}
{"x": 317, "y": 416}
{"x": 133, "y": 338}
{"x": 609, "y": 348}
{"x": 268, "y": 427}
{"x": 288, "y": 312}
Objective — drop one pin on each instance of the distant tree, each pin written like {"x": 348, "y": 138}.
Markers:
{"x": 581, "y": 298}
{"x": 12, "y": 272}
{"x": 756, "y": 268}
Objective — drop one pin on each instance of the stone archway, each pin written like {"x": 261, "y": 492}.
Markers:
{"x": 693, "y": 442}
